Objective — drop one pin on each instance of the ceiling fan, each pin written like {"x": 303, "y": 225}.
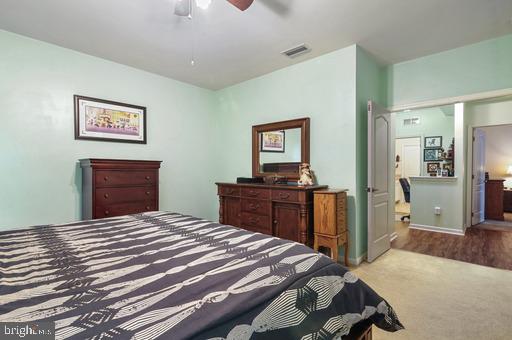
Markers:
{"x": 184, "y": 7}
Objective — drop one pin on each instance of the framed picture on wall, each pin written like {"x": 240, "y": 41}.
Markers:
{"x": 105, "y": 120}
{"x": 433, "y": 142}
{"x": 432, "y": 167}
{"x": 272, "y": 141}
{"x": 432, "y": 155}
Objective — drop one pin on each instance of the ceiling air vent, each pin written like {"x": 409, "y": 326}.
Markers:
{"x": 296, "y": 51}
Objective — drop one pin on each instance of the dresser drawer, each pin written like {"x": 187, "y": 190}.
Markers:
{"x": 256, "y": 206}
{"x": 107, "y": 196}
{"x": 124, "y": 209}
{"x": 229, "y": 191}
{"x": 106, "y": 178}
{"x": 260, "y": 193}
{"x": 285, "y": 195}
{"x": 255, "y": 222}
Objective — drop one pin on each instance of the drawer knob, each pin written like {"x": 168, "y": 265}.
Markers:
{"x": 106, "y": 196}
{"x": 105, "y": 178}
{"x": 107, "y": 212}
{"x": 283, "y": 195}
{"x": 253, "y": 193}
{"x": 147, "y": 193}
{"x": 275, "y": 221}
{"x": 147, "y": 178}
{"x": 254, "y": 206}
{"x": 148, "y": 207}
{"x": 229, "y": 191}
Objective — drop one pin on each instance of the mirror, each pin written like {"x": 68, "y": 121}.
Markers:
{"x": 279, "y": 148}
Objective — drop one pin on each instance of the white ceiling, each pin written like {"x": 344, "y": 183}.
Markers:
{"x": 230, "y": 46}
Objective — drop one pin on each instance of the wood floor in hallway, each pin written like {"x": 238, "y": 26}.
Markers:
{"x": 492, "y": 248}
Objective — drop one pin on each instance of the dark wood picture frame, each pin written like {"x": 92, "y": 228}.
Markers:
{"x": 78, "y": 98}
{"x": 277, "y": 151}
{"x": 432, "y": 164}
{"x": 301, "y": 123}
{"x": 425, "y": 151}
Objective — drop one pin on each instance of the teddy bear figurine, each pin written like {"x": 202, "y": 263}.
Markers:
{"x": 306, "y": 176}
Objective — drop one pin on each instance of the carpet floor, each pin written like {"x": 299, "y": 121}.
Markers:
{"x": 438, "y": 298}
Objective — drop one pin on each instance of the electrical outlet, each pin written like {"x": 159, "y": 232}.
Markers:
{"x": 437, "y": 210}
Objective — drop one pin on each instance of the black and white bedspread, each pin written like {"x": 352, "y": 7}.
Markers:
{"x": 170, "y": 276}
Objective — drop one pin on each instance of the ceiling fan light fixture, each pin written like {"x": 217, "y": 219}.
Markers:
{"x": 203, "y": 4}
{"x": 183, "y": 8}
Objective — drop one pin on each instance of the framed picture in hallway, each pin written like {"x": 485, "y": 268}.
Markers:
{"x": 433, "y": 142}
{"x": 432, "y": 155}
{"x": 432, "y": 167}
{"x": 105, "y": 120}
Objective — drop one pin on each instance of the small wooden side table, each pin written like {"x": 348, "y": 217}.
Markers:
{"x": 330, "y": 227}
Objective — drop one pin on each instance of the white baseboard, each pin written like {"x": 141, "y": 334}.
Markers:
{"x": 356, "y": 261}
{"x": 393, "y": 236}
{"x": 436, "y": 229}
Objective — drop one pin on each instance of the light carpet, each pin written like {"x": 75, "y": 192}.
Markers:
{"x": 437, "y": 298}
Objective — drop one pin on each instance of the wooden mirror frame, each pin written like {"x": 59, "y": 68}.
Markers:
{"x": 302, "y": 123}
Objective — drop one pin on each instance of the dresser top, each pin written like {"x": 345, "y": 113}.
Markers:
{"x": 276, "y": 186}
{"x": 330, "y": 191}
{"x": 115, "y": 163}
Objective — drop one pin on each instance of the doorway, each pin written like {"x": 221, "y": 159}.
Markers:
{"x": 492, "y": 177}
{"x": 407, "y": 165}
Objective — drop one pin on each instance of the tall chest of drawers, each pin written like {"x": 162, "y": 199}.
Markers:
{"x": 113, "y": 187}
{"x": 278, "y": 210}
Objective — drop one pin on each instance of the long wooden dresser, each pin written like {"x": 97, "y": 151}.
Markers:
{"x": 113, "y": 187}
{"x": 280, "y": 210}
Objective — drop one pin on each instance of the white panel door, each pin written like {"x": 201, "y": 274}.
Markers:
{"x": 478, "y": 206}
{"x": 380, "y": 183}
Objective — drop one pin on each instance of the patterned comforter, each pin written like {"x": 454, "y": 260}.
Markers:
{"x": 171, "y": 276}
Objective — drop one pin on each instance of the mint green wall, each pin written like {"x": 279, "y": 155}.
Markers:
{"x": 322, "y": 89}
{"x": 38, "y": 154}
{"x": 485, "y": 66}
{"x": 433, "y": 122}
{"x": 368, "y": 86}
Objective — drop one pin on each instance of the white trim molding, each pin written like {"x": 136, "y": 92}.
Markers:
{"x": 437, "y": 229}
{"x": 452, "y": 100}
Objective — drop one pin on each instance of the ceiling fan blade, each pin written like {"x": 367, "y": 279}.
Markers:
{"x": 241, "y": 4}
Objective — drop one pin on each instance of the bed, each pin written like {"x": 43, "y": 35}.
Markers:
{"x": 171, "y": 276}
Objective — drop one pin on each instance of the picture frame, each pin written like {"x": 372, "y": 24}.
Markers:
{"x": 432, "y": 155}
{"x": 433, "y": 142}
{"x": 109, "y": 121}
{"x": 272, "y": 141}
{"x": 432, "y": 167}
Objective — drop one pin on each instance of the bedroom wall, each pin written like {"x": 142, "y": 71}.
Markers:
{"x": 498, "y": 154}
{"x": 369, "y": 86}
{"x": 322, "y": 89}
{"x": 481, "y": 67}
{"x": 38, "y": 154}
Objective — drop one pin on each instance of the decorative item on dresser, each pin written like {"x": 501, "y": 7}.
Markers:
{"x": 494, "y": 199}
{"x": 331, "y": 221}
{"x": 284, "y": 211}
{"x": 113, "y": 187}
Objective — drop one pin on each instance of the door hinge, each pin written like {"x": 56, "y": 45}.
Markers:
{"x": 474, "y": 138}
{"x": 472, "y": 176}
{"x": 472, "y": 214}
